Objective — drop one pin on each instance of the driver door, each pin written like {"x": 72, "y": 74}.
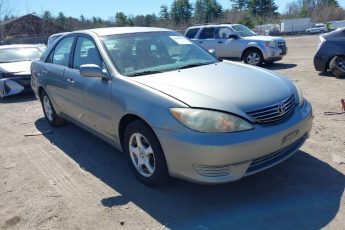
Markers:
{"x": 225, "y": 46}
{"x": 90, "y": 97}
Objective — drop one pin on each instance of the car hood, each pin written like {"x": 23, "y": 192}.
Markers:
{"x": 263, "y": 38}
{"x": 225, "y": 86}
{"x": 15, "y": 67}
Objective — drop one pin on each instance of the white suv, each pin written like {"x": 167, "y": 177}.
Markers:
{"x": 317, "y": 29}
{"x": 237, "y": 41}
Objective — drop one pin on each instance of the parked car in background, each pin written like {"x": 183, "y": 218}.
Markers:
{"x": 53, "y": 37}
{"x": 331, "y": 53}
{"x": 317, "y": 29}
{"x": 170, "y": 105}
{"x": 15, "y": 61}
{"x": 238, "y": 42}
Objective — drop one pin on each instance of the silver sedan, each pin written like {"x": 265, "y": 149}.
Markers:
{"x": 171, "y": 106}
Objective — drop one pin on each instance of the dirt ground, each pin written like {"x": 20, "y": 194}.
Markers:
{"x": 70, "y": 179}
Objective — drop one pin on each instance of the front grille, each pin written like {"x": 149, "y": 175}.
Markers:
{"x": 269, "y": 160}
{"x": 274, "y": 113}
{"x": 212, "y": 170}
{"x": 281, "y": 44}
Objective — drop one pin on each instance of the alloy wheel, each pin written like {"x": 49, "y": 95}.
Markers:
{"x": 340, "y": 62}
{"x": 142, "y": 155}
{"x": 253, "y": 59}
{"x": 48, "y": 108}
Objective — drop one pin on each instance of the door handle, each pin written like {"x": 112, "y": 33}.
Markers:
{"x": 200, "y": 42}
{"x": 70, "y": 80}
{"x": 44, "y": 71}
{"x": 220, "y": 42}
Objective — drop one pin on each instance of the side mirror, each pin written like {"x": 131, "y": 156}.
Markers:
{"x": 233, "y": 36}
{"x": 92, "y": 70}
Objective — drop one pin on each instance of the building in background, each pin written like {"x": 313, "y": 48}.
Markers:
{"x": 29, "y": 28}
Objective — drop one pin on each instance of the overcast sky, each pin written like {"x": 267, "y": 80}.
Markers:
{"x": 104, "y": 8}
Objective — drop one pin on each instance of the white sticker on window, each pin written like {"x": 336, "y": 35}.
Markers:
{"x": 180, "y": 40}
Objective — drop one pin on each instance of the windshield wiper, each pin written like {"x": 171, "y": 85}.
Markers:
{"x": 144, "y": 73}
{"x": 193, "y": 65}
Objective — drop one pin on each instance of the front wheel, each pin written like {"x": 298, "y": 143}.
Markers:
{"x": 253, "y": 57}
{"x": 145, "y": 154}
{"x": 337, "y": 66}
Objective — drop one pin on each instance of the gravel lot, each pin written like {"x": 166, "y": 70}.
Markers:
{"x": 70, "y": 179}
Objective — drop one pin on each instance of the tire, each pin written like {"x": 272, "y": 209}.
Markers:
{"x": 147, "y": 157}
{"x": 253, "y": 57}
{"x": 49, "y": 111}
{"x": 337, "y": 66}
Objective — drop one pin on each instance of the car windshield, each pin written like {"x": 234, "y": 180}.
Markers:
{"x": 243, "y": 31}
{"x": 19, "y": 54}
{"x": 154, "y": 52}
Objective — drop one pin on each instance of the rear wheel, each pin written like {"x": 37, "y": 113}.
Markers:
{"x": 253, "y": 57}
{"x": 145, "y": 154}
{"x": 49, "y": 111}
{"x": 337, "y": 66}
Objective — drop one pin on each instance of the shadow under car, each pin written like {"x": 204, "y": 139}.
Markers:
{"x": 302, "y": 192}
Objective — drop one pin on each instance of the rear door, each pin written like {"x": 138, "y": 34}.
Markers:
{"x": 206, "y": 38}
{"x": 90, "y": 97}
{"x": 53, "y": 71}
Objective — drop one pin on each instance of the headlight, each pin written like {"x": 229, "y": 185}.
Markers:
{"x": 300, "y": 94}
{"x": 209, "y": 121}
{"x": 271, "y": 44}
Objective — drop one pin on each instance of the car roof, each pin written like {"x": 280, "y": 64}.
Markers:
{"x": 21, "y": 46}
{"x": 122, "y": 30}
{"x": 212, "y": 25}
{"x": 58, "y": 34}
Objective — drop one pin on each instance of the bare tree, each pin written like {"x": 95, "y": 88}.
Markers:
{"x": 328, "y": 13}
{"x": 5, "y": 12}
{"x": 292, "y": 9}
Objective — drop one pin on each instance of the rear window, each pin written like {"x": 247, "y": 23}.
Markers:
{"x": 207, "y": 33}
{"x": 192, "y": 32}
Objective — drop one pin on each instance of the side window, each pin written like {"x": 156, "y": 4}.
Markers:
{"x": 191, "y": 33}
{"x": 223, "y": 32}
{"x": 60, "y": 55}
{"x": 207, "y": 33}
{"x": 86, "y": 52}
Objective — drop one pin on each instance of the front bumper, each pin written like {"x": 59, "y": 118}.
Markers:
{"x": 14, "y": 85}
{"x": 225, "y": 157}
{"x": 274, "y": 53}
